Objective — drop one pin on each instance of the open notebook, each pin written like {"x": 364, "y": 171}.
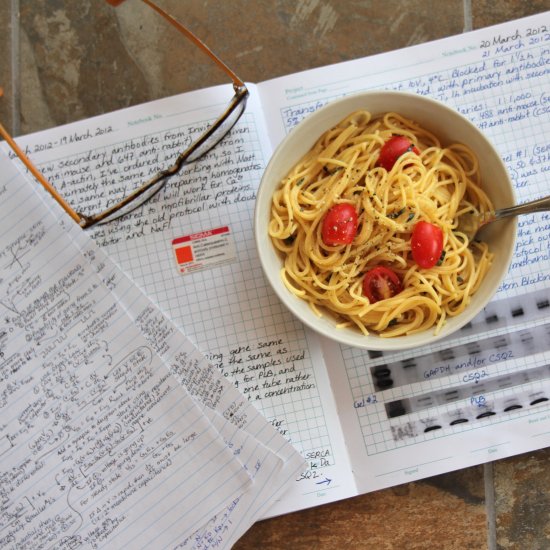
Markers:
{"x": 361, "y": 420}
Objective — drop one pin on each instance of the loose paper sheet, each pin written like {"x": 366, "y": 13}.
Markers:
{"x": 268, "y": 458}
{"x": 99, "y": 443}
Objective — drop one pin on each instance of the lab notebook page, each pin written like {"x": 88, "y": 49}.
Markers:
{"x": 191, "y": 251}
{"x": 484, "y": 393}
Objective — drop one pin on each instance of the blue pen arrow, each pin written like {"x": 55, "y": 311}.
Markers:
{"x": 326, "y": 480}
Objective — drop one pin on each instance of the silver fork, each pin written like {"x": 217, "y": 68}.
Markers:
{"x": 471, "y": 222}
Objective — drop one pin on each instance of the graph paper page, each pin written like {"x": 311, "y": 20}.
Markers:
{"x": 191, "y": 250}
{"x": 483, "y": 394}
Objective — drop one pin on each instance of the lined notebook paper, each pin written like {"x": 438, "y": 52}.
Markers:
{"x": 109, "y": 434}
{"x": 98, "y": 440}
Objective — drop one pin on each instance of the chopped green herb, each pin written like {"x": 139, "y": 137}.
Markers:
{"x": 300, "y": 181}
{"x": 441, "y": 258}
{"x": 393, "y": 322}
{"x": 333, "y": 171}
{"x": 395, "y": 215}
{"x": 411, "y": 216}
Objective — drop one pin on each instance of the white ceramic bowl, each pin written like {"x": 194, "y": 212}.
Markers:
{"x": 450, "y": 127}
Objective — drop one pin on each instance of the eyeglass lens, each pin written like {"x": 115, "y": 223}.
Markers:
{"x": 196, "y": 152}
{"x": 219, "y": 133}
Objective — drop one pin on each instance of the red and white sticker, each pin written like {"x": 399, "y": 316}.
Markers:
{"x": 204, "y": 250}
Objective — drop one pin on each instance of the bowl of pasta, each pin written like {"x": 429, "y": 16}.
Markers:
{"x": 357, "y": 220}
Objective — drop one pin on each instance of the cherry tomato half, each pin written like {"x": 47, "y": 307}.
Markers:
{"x": 426, "y": 244}
{"x": 381, "y": 283}
{"x": 339, "y": 225}
{"x": 393, "y": 149}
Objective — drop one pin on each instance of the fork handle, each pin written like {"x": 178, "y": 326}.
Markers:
{"x": 539, "y": 205}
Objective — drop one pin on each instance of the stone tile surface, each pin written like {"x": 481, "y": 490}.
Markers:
{"x": 489, "y": 12}
{"x": 444, "y": 512}
{"x": 522, "y": 501}
{"x": 84, "y": 58}
{"x": 79, "y": 59}
{"x": 74, "y": 63}
{"x": 6, "y": 72}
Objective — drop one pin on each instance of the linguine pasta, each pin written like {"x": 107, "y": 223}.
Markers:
{"x": 437, "y": 186}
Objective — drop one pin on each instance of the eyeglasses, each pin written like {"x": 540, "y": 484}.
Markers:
{"x": 205, "y": 142}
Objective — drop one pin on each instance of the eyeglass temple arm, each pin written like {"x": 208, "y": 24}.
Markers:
{"x": 237, "y": 82}
{"x": 34, "y": 171}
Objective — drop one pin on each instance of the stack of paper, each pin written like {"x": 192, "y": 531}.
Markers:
{"x": 115, "y": 430}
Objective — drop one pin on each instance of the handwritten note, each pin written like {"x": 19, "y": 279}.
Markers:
{"x": 92, "y": 420}
{"x": 267, "y": 457}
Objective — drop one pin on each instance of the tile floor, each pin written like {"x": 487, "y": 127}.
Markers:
{"x": 64, "y": 60}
